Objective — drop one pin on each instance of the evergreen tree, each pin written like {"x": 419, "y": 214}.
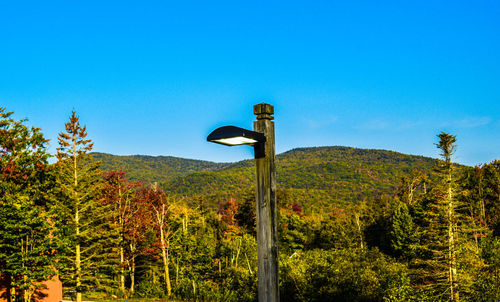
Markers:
{"x": 440, "y": 230}
{"x": 491, "y": 194}
{"x": 403, "y": 233}
{"x": 451, "y": 261}
{"x": 80, "y": 212}
{"x": 246, "y": 217}
{"x": 447, "y": 146}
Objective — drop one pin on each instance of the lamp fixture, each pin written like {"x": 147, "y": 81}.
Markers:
{"x": 235, "y": 136}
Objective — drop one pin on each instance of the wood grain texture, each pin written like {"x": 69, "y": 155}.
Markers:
{"x": 265, "y": 193}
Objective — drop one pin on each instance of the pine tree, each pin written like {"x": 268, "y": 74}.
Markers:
{"x": 403, "y": 232}
{"x": 440, "y": 232}
{"x": 80, "y": 213}
{"x": 447, "y": 146}
{"x": 450, "y": 259}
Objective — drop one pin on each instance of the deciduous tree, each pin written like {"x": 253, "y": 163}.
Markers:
{"x": 119, "y": 193}
{"x": 26, "y": 248}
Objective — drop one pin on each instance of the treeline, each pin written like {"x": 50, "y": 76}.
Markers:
{"x": 434, "y": 239}
{"x": 161, "y": 169}
{"x": 324, "y": 176}
{"x": 318, "y": 178}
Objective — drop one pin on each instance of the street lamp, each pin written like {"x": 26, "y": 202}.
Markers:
{"x": 235, "y": 136}
{"x": 262, "y": 139}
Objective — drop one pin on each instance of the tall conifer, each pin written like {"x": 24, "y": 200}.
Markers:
{"x": 451, "y": 260}
{"x": 79, "y": 210}
{"x": 447, "y": 146}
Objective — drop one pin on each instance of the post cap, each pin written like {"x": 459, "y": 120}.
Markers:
{"x": 263, "y": 111}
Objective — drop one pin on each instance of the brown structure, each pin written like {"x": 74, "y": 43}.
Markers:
{"x": 265, "y": 194}
{"x": 53, "y": 292}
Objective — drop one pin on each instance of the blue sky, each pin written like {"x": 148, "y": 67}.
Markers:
{"x": 155, "y": 77}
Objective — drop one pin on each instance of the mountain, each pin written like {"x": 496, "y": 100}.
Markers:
{"x": 318, "y": 178}
{"x": 150, "y": 169}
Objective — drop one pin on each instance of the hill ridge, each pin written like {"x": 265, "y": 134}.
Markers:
{"x": 318, "y": 178}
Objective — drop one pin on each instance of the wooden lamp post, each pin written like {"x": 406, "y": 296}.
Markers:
{"x": 262, "y": 139}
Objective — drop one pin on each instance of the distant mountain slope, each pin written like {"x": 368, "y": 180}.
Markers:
{"x": 317, "y": 178}
{"x": 159, "y": 169}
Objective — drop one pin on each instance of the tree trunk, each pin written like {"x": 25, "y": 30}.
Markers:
{"x": 121, "y": 210}
{"x": 78, "y": 267}
{"x": 77, "y": 232}
{"x": 238, "y": 253}
{"x": 131, "y": 267}
{"x": 248, "y": 263}
{"x": 453, "y": 276}
{"x": 122, "y": 271}
{"x": 28, "y": 292}
{"x": 78, "y": 274}
{"x": 164, "y": 255}
{"x": 12, "y": 293}
{"x": 27, "y": 295}
{"x": 358, "y": 224}
{"x": 177, "y": 272}
{"x": 132, "y": 278}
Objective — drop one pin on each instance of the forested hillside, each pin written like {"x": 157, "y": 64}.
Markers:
{"x": 159, "y": 169}
{"x": 353, "y": 224}
{"x": 318, "y": 179}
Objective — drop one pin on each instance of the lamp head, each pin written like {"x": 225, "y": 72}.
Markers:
{"x": 235, "y": 136}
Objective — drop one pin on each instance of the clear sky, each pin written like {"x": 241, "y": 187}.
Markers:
{"x": 155, "y": 77}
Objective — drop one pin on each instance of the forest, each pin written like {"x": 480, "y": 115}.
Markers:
{"x": 354, "y": 224}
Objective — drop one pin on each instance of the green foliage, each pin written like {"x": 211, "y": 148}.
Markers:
{"x": 335, "y": 230}
{"x": 354, "y": 224}
{"x": 26, "y": 247}
{"x": 343, "y": 275}
{"x": 487, "y": 284}
{"x": 246, "y": 216}
{"x": 403, "y": 233}
{"x": 319, "y": 179}
{"x": 292, "y": 232}
{"x": 152, "y": 169}
{"x": 80, "y": 216}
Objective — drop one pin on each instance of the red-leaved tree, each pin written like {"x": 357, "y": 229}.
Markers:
{"x": 119, "y": 193}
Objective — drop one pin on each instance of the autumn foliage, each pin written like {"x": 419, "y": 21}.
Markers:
{"x": 354, "y": 225}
